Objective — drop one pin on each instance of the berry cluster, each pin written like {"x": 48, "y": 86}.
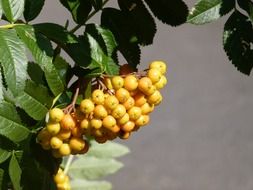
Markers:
{"x": 124, "y": 104}
{"x": 62, "y": 180}
{"x": 62, "y": 135}
{"x": 118, "y": 106}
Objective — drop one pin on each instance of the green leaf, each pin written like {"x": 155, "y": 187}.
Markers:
{"x": 33, "y": 9}
{"x": 86, "y": 167}
{"x": 170, "y": 12}
{"x": 13, "y": 9}
{"x": 107, "y": 150}
{"x": 117, "y": 22}
{"x": 55, "y": 32}
{"x": 42, "y": 52}
{"x": 79, "y": 9}
{"x": 97, "y": 4}
{"x": 78, "y": 184}
{"x": 143, "y": 23}
{"x": 4, "y": 155}
{"x": 15, "y": 172}
{"x": 104, "y": 37}
{"x": 206, "y": 11}
{"x": 13, "y": 60}
{"x": 238, "y": 41}
{"x": 1, "y": 87}
{"x": 36, "y": 73}
{"x": 11, "y": 126}
{"x": 35, "y": 100}
{"x": 62, "y": 67}
{"x": 1, "y": 12}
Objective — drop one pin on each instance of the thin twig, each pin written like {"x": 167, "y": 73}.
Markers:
{"x": 70, "y": 159}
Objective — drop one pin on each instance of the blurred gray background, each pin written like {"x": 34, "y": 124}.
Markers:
{"x": 201, "y": 136}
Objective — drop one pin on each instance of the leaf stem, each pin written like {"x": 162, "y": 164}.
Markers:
{"x": 69, "y": 161}
{"x": 88, "y": 18}
{"x": 9, "y": 26}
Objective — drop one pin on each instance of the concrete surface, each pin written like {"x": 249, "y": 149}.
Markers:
{"x": 201, "y": 136}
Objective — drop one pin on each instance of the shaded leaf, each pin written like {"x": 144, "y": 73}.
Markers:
{"x": 238, "y": 41}
{"x": 13, "y": 9}
{"x": 11, "y": 126}
{"x": 4, "y": 155}
{"x": 86, "y": 167}
{"x": 42, "y": 52}
{"x": 247, "y": 5}
{"x": 170, "y": 12}
{"x": 117, "y": 22}
{"x": 78, "y": 184}
{"x": 1, "y": 87}
{"x": 3, "y": 179}
{"x": 79, "y": 9}
{"x": 1, "y": 10}
{"x": 13, "y": 60}
{"x": 35, "y": 100}
{"x": 209, "y": 10}
{"x": 33, "y": 9}
{"x": 62, "y": 67}
{"x": 15, "y": 172}
{"x": 55, "y": 32}
{"x": 36, "y": 73}
{"x": 107, "y": 150}
{"x": 97, "y": 4}
{"x": 143, "y": 23}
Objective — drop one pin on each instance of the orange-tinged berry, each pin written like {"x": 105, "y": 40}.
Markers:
{"x": 55, "y": 142}
{"x": 122, "y": 95}
{"x": 129, "y": 103}
{"x": 111, "y": 102}
{"x": 119, "y": 111}
{"x": 46, "y": 145}
{"x": 100, "y": 112}
{"x": 59, "y": 178}
{"x": 123, "y": 119}
{"x": 128, "y": 126}
{"x": 65, "y": 150}
{"x": 53, "y": 128}
{"x": 43, "y": 135}
{"x": 146, "y": 108}
{"x": 134, "y": 113}
{"x": 109, "y": 121}
{"x": 115, "y": 129}
{"x": 154, "y": 75}
{"x": 56, "y": 115}
{"x": 140, "y": 99}
{"x": 124, "y": 135}
{"x": 145, "y": 84}
{"x": 130, "y": 83}
{"x": 68, "y": 122}
{"x": 76, "y": 132}
{"x": 96, "y": 123}
{"x": 76, "y": 144}
{"x": 117, "y": 82}
{"x": 87, "y": 106}
{"x": 98, "y": 96}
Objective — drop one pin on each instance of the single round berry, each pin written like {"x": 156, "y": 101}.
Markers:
{"x": 143, "y": 120}
{"x": 146, "y": 108}
{"x": 122, "y": 95}
{"x": 65, "y": 150}
{"x": 109, "y": 121}
{"x": 155, "y": 97}
{"x": 128, "y": 126}
{"x": 53, "y": 128}
{"x": 117, "y": 82}
{"x": 59, "y": 178}
{"x": 87, "y": 106}
{"x": 144, "y": 84}
{"x": 134, "y": 113}
{"x": 43, "y": 135}
{"x": 100, "y": 112}
{"x": 68, "y": 122}
{"x": 55, "y": 142}
{"x": 64, "y": 134}
{"x": 154, "y": 75}
{"x": 96, "y": 123}
{"x": 140, "y": 99}
{"x": 130, "y": 83}
{"x": 98, "y": 96}
{"x": 119, "y": 111}
{"x": 124, "y": 135}
{"x": 85, "y": 124}
{"x": 56, "y": 115}
{"x": 161, "y": 83}
{"x": 76, "y": 144}
{"x": 111, "y": 102}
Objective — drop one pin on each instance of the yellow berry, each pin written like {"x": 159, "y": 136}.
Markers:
{"x": 146, "y": 108}
{"x": 154, "y": 75}
{"x": 161, "y": 83}
{"x": 53, "y": 128}
{"x": 143, "y": 120}
{"x": 76, "y": 144}
{"x": 100, "y": 112}
{"x": 119, "y": 111}
{"x": 122, "y": 95}
{"x": 96, "y": 123}
{"x": 123, "y": 119}
{"x": 87, "y": 106}
{"x": 111, "y": 102}
{"x": 160, "y": 65}
{"x": 128, "y": 126}
{"x": 65, "y": 150}
{"x": 85, "y": 124}
{"x": 108, "y": 83}
{"x": 64, "y": 134}
{"x": 68, "y": 122}
{"x": 55, "y": 142}
{"x": 59, "y": 178}
{"x": 109, "y": 121}
{"x": 134, "y": 113}
{"x": 98, "y": 96}
{"x": 56, "y": 115}
{"x": 155, "y": 97}
{"x": 124, "y": 135}
{"x": 117, "y": 82}
{"x": 145, "y": 85}
{"x": 129, "y": 103}
{"x": 140, "y": 99}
